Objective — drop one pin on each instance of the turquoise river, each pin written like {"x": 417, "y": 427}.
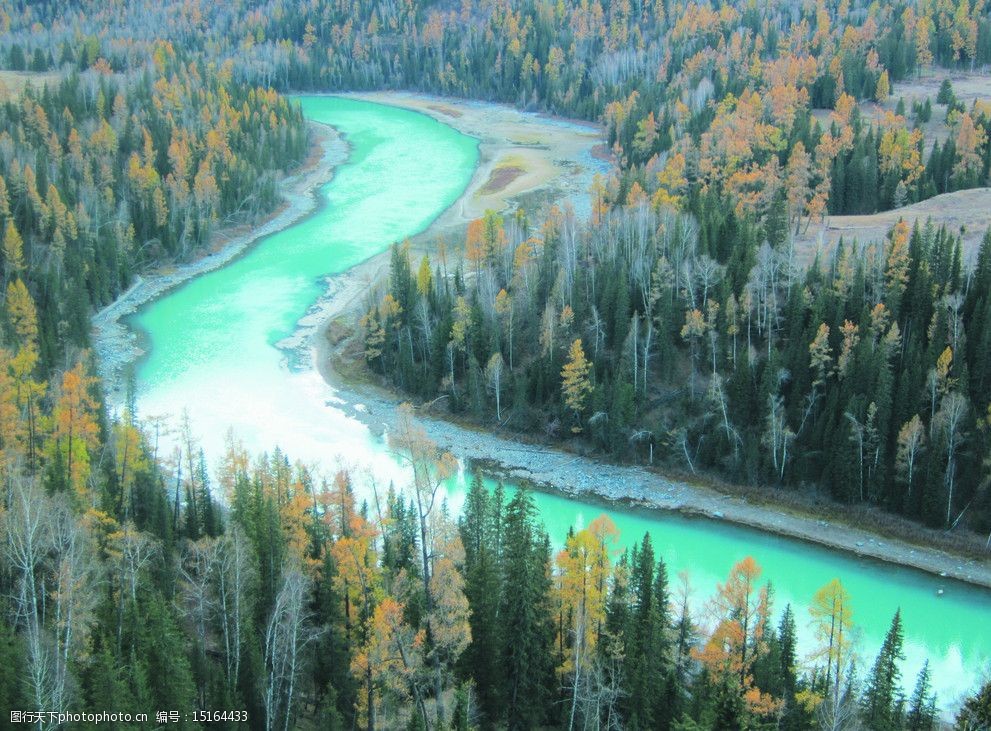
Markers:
{"x": 212, "y": 350}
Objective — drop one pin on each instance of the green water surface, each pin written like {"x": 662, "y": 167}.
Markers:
{"x": 212, "y": 351}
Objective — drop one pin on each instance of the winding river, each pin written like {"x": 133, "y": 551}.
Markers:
{"x": 212, "y": 350}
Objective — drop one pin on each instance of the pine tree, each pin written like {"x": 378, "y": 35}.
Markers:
{"x": 789, "y": 652}
{"x": 159, "y": 648}
{"x": 645, "y": 637}
{"x": 330, "y": 718}
{"x": 481, "y": 660}
{"x": 976, "y": 712}
{"x": 332, "y": 659}
{"x": 462, "y": 704}
{"x": 945, "y": 94}
{"x": 12, "y": 659}
{"x": 794, "y": 714}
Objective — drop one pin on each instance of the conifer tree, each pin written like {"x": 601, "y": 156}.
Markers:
{"x": 646, "y": 645}
{"x": 525, "y": 620}
{"x": 575, "y": 383}
{"x": 976, "y": 712}
{"x": 882, "y": 702}
{"x": 922, "y": 713}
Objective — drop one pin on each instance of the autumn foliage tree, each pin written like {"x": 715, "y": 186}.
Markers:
{"x": 575, "y": 381}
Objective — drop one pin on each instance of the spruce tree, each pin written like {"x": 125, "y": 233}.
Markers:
{"x": 459, "y": 719}
{"x": 12, "y": 659}
{"x": 525, "y": 618}
{"x": 646, "y": 644}
{"x": 882, "y": 701}
{"x": 481, "y": 661}
{"x": 794, "y": 715}
{"x": 976, "y": 712}
{"x": 922, "y": 705}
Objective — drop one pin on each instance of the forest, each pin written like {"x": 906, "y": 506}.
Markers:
{"x": 675, "y": 327}
{"x": 309, "y": 608}
{"x": 689, "y": 272}
{"x": 635, "y": 338}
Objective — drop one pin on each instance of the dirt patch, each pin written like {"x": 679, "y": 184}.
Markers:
{"x": 964, "y": 212}
{"x": 967, "y": 87}
{"x": 446, "y": 110}
{"x": 500, "y": 178}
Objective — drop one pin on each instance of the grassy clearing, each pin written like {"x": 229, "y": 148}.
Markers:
{"x": 964, "y": 211}
{"x": 12, "y": 83}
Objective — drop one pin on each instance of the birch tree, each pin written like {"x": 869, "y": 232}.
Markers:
{"x": 26, "y": 547}
{"x": 234, "y": 579}
{"x": 71, "y": 597}
{"x": 911, "y": 442}
{"x": 950, "y": 419}
{"x": 493, "y": 372}
{"x": 286, "y": 636}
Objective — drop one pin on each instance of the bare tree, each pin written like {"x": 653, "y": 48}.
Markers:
{"x": 911, "y": 441}
{"x": 954, "y": 305}
{"x": 717, "y": 397}
{"x": 778, "y": 436}
{"x": 493, "y": 372}
{"x": 286, "y": 636}
{"x": 233, "y": 580}
{"x": 597, "y": 330}
{"x": 135, "y": 550}
{"x": 71, "y": 599}
{"x": 26, "y": 546}
{"x": 857, "y": 437}
{"x": 838, "y": 712}
{"x": 952, "y": 412}
{"x": 195, "y": 571}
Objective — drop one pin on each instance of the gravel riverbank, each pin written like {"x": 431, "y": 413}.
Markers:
{"x": 586, "y": 478}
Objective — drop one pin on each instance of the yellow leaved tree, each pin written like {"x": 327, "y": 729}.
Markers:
{"x": 832, "y": 622}
{"x": 741, "y": 608}
{"x": 576, "y": 384}
{"x": 75, "y": 431}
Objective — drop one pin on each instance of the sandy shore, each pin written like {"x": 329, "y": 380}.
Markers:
{"x": 550, "y": 468}
{"x": 521, "y": 155}
{"x": 117, "y": 345}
